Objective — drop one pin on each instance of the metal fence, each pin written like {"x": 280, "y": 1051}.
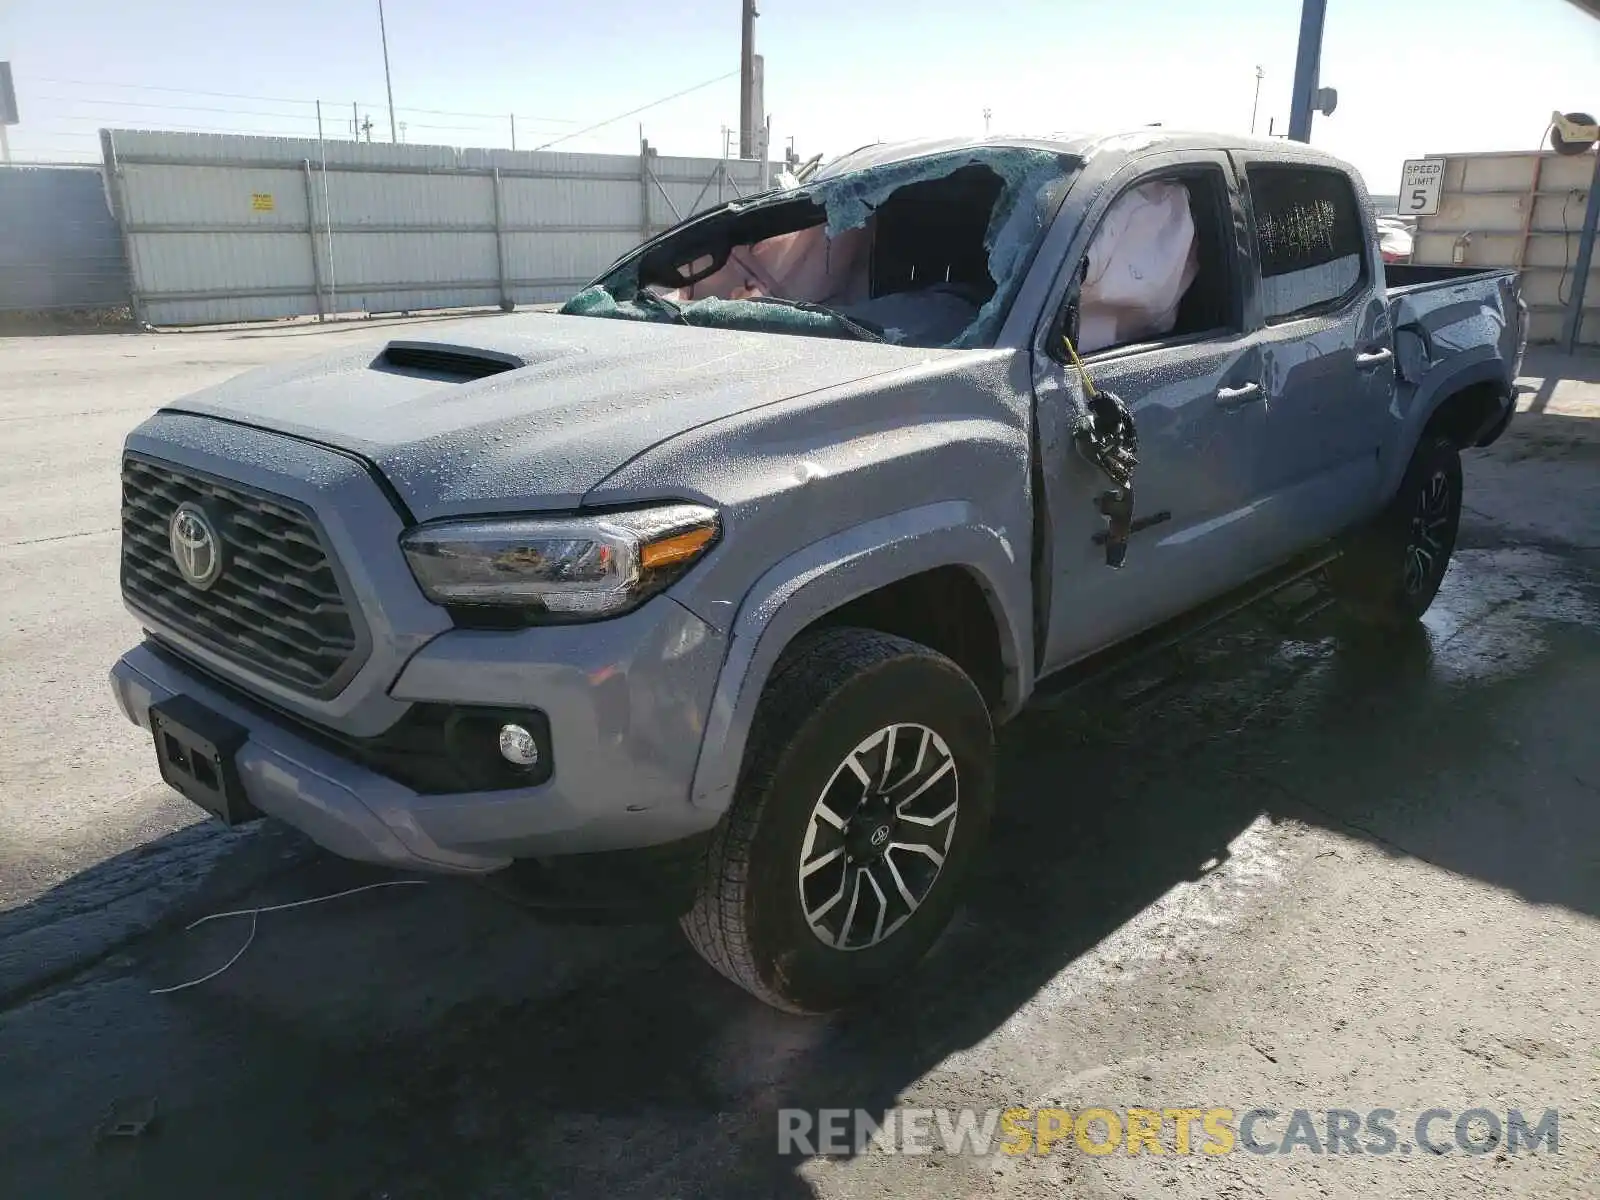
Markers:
{"x": 1523, "y": 210}
{"x": 234, "y": 228}
{"x": 59, "y": 245}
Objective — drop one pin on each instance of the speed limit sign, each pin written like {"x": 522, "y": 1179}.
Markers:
{"x": 1421, "y": 181}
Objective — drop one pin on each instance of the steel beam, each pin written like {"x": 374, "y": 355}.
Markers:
{"x": 1307, "y": 64}
{"x": 1580, "y": 282}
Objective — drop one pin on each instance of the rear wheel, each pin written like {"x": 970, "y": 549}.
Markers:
{"x": 866, "y": 794}
{"x": 1392, "y": 570}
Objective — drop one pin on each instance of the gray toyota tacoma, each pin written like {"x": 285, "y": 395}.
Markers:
{"x": 716, "y": 584}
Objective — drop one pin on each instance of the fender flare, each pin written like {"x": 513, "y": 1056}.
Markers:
{"x": 1432, "y": 395}
{"x": 829, "y": 573}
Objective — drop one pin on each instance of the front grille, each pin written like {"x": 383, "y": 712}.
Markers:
{"x": 276, "y": 608}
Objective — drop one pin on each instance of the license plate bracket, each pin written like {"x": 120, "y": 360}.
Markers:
{"x": 195, "y": 749}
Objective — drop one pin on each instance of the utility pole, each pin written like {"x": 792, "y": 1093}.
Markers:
{"x": 1307, "y": 65}
{"x": 383, "y": 33}
{"x": 366, "y": 126}
{"x": 513, "y": 131}
{"x": 8, "y": 110}
{"x": 987, "y": 113}
{"x": 1255, "y": 105}
{"x": 749, "y": 118}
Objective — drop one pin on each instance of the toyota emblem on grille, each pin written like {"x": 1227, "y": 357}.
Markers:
{"x": 196, "y": 547}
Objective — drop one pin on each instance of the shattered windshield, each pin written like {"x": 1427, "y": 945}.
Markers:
{"x": 926, "y": 252}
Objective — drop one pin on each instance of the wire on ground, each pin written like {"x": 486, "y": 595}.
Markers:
{"x": 255, "y": 914}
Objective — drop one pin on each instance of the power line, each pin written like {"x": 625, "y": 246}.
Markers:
{"x": 448, "y": 112}
{"x": 50, "y": 127}
{"x": 301, "y": 135}
{"x": 496, "y": 120}
{"x": 242, "y": 112}
{"x": 307, "y": 117}
{"x": 455, "y": 128}
{"x": 635, "y": 111}
{"x": 150, "y": 87}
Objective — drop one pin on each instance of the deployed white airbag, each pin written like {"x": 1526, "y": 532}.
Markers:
{"x": 1142, "y": 260}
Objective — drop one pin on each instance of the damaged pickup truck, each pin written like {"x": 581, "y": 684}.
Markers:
{"x": 715, "y": 585}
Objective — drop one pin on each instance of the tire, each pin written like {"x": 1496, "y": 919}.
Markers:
{"x": 1391, "y": 571}
{"x": 833, "y": 700}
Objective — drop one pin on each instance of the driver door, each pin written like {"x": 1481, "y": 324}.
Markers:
{"x": 1194, "y": 398}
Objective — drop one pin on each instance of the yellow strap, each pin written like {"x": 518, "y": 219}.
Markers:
{"x": 1083, "y": 372}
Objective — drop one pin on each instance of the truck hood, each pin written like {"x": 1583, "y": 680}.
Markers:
{"x": 573, "y": 399}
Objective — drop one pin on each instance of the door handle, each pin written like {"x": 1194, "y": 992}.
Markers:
{"x": 1375, "y": 359}
{"x": 1240, "y": 394}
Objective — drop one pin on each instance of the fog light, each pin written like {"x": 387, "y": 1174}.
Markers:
{"x": 518, "y": 747}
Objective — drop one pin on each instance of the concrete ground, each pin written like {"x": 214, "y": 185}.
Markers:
{"x": 1308, "y": 871}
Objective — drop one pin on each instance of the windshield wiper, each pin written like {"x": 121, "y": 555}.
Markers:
{"x": 661, "y": 302}
{"x": 859, "y": 329}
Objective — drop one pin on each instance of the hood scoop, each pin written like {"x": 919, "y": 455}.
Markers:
{"x": 436, "y": 360}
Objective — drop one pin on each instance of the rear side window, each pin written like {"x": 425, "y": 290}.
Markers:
{"x": 1309, "y": 239}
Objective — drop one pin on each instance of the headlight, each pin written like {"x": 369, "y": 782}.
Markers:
{"x": 573, "y": 567}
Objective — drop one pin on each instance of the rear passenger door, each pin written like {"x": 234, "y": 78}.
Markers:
{"x": 1327, "y": 363}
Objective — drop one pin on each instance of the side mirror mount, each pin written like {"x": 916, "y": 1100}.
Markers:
{"x": 1066, "y": 322}
{"x": 1064, "y": 327}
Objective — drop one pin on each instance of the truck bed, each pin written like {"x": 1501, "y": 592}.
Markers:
{"x": 1408, "y": 278}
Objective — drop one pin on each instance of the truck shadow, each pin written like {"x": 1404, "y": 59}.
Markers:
{"x": 642, "y": 1073}
{"x": 1419, "y": 745}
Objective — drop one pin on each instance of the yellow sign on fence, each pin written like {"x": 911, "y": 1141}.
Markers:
{"x": 261, "y": 201}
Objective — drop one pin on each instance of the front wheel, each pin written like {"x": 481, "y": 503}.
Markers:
{"x": 1391, "y": 572}
{"x": 866, "y": 794}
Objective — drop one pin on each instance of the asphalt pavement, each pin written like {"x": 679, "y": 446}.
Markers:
{"x": 1297, "y": 869}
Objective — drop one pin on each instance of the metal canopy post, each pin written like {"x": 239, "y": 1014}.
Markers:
{"x": 311, "y": 230}
{"x": 506, "y": 301}
{"x": 117, "y": 191}
{"x": 1580, "y": 282}
{"x": 645, "y": 179}
{"x": 1307, "y": 65}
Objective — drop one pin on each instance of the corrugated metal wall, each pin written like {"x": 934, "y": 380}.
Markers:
{"x": 1521, "y": 210}
{"x": 60, "y": 248}
{"x": 234, "y": 228}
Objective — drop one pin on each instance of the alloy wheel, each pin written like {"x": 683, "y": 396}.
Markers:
{"x": 1426, "y": 545}
{"x": 878, "y": 836}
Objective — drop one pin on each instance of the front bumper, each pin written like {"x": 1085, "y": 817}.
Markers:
{"x": 626, "y": 702}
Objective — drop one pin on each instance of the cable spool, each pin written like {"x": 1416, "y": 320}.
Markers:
{"x": 1573, "y": 133}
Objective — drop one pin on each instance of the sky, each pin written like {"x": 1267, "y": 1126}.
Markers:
{"x": 1414, "y": 76}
